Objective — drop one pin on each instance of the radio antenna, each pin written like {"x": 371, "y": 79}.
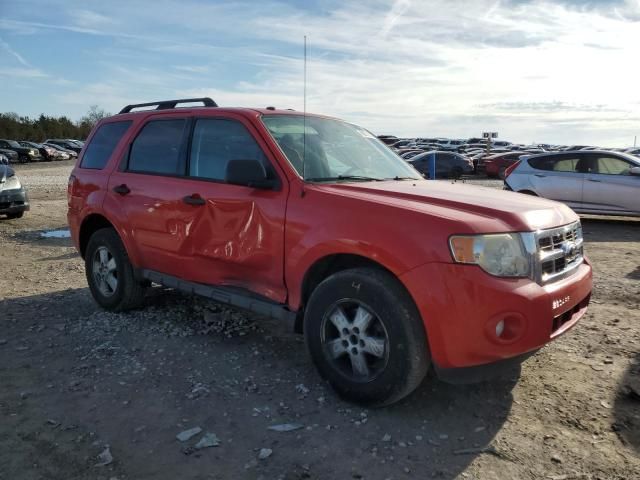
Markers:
{"x": 304, "y": 111}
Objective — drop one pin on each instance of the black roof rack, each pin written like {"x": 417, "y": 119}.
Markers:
{"x": 169, "y": 104}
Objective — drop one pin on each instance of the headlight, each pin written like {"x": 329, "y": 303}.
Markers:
{"x": 12, "y": 183}
{"x": 503, "y": 254}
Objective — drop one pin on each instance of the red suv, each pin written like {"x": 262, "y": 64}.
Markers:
{"x": 312, "y": 219}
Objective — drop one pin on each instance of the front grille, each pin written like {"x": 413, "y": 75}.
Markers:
{"x": 560, "y": 251}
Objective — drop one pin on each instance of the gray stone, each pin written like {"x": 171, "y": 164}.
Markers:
{"x": 286, "y": 427}
{"x": 187, "y": 434}
{"x": 105, "y": 458}
{"x": 208, "y": 440}
{"x": 265, "y": 453}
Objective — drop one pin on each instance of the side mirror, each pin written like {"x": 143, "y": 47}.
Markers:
{"x": 634, "y": 171}
{"x": 249, "y": 173}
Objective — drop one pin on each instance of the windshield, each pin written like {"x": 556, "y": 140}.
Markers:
{"x": 334, "y": 150}
{"x": 13, "y": 143}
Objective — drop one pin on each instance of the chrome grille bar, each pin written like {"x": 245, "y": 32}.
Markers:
{"x": 560, "y": 252}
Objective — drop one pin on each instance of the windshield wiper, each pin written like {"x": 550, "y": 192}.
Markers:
{"x": 344, "y": 177}
{"x": 402, "y": 178}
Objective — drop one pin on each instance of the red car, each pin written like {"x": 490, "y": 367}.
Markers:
{"x": 312, "y": 219}
{"x": 495, "y": 165}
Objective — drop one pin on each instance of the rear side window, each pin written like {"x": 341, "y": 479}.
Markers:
{"x": 158, "y": 148}
{"x": 565, "y": 165}
{"x": 215, "y": 142}
{"x": 102, "y": 144}
{"x": 556, "y": 164}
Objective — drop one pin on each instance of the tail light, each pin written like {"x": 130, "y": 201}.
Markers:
{"x": 510, "y": 169}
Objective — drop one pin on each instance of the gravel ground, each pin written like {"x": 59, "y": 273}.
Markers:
{"x": 87, "y": 394}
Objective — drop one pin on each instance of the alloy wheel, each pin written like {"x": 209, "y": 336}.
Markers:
{"x": 355, "y": 340}
{"x": 105, "y": 272}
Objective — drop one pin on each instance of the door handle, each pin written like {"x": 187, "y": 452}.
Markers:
{"x": 194, "y": 199}
{"x": 594, "y": 180}
{"x": 121, "y": 189}
{"x": 541, "y": 175}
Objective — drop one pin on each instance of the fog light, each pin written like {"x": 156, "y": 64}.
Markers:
{"x": 499, "y": 328}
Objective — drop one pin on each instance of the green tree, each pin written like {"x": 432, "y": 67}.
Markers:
{"x": 15, "y": 127}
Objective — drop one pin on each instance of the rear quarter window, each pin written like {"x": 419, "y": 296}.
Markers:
{"x": 103, "y": 143}
{"x": 542, "y": 163}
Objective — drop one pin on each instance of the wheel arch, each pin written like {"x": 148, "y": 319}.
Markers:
{"x": 89, "y": 226}
{"x": 328, "y": 265}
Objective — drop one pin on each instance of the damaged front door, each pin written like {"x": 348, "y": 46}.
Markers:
{"x": 237, "y": 239}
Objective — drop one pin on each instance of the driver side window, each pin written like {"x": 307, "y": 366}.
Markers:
{"x": 215, "y": 142}
{"x": 612, "y": 166}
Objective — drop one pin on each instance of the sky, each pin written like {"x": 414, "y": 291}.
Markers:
{"x": 565, "y": 71}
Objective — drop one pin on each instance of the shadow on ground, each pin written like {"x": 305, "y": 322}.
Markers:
{"x": 611, "y": 229}
{"x": 627, "y": 406}
{"x": 122, "y": 380}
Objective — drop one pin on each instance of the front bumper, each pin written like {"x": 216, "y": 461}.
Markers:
{"x": 13, "y": 201}
{"x": 461, "y": 306}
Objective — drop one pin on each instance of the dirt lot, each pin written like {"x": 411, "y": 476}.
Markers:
{"x": 89, "y": 394}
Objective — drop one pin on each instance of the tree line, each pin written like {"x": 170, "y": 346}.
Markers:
{"x": 16, "y": 127}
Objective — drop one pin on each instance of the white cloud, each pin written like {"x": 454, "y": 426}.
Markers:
{"x": 7, "y": 48}
{"x": 17, "y": 72}
{"x": 559, "y": 71}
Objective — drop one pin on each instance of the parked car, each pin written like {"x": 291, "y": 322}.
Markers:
{"x": 48, "y": 153}
{"x": 400, "y": 144}
{"x": 574, "y": 147}
{"x": 64, "y": 143}
{"x": 479, "y": 158}
{"x": 496, "y": 165}
{"x": 69, "y": 153}
{"x": 477, "y": 140}
{"x": 297, "y": 217}
{"x": 596, "y": 182}
{"x": 632, "y": 151}
{"x": 25, "y": 154}
{"x": 11, "y": 155}
{"x": 13, "y": 196}
{"x": 448, "y": 164}
{"x": 451, "y": 145}
{"x": 388, "y": 139}
{"x": 411, "y": 154}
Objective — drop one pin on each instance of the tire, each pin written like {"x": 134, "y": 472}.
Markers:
{"x": 501, "y": 172}
{"x": 23, "y": 159}
{"x": 392, "y": 345}
{"x": 456, "y": 173}
{"x": 11, "y": 216}
{"x": 107, "y": 258}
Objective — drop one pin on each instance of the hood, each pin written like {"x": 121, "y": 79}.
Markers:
{"x": 478, "y": 209}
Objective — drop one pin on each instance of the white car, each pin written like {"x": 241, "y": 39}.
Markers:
{"x": 589, "y": 181}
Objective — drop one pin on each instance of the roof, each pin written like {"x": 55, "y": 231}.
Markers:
{"x": 624, "y": 155}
